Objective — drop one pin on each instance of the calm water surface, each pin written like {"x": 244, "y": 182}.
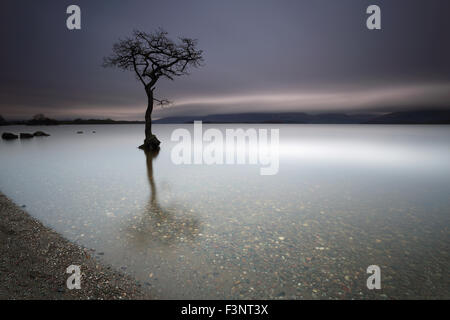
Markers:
{"x": 345, "y": 197}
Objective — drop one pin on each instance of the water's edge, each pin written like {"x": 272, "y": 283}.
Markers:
{"x": 34, "y": 258}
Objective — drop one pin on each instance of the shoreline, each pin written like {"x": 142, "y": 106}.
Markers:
{"x": 34, "y": 258}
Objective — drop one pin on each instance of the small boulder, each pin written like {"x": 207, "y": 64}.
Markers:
{"x": 26, "y": 135}
{"x": 40, "y": 134}
{"x": 79, "y": 132}
{"x": 9, "y": 136}
{"x": 150, "y": 144}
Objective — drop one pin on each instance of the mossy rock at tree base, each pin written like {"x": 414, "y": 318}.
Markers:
{"x": 151, "y": 144}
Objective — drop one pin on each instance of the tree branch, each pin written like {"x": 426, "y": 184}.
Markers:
{"x": 153, "y": 55}
{"x": 163, "y": 102}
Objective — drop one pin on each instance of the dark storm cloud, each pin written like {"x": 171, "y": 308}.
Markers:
{"x": 259, "y": 55}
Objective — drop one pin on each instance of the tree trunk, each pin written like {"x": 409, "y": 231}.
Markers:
{"x": 151, "y": 143}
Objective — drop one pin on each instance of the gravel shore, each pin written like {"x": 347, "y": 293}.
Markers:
{"x": 33, "y": 262}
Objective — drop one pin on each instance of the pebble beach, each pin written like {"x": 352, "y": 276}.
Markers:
{"x": 33, "y": 262}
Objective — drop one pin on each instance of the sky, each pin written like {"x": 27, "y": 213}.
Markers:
{"x": 260, "y": 55}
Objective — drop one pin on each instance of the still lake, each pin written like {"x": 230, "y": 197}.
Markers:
{"x": 345, "y": 197}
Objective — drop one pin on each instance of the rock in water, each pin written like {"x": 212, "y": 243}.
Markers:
{"x": 9, "y": 136}
{"x": 26, "y": 135}
{"x": 40, "y": 134}
{"x": 151, "y": 144}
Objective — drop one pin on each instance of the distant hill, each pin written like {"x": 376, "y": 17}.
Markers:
{"x": 413, "y": 117}
{"x": 288, "y": 117}
{"x": 402, "y": 117}
{"x": 405, "y": 117}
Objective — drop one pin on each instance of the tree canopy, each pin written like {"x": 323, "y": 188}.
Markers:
{"x": 153, "y": 55}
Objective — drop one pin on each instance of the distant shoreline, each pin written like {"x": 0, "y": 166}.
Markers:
{"x": 412, "y": 117}
{"x": 257, "y": 123}
{"x": 34, "y": 258}
{"x": 57, "y": 123}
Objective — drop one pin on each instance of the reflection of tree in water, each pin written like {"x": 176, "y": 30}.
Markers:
{"x": 158, "y": 225}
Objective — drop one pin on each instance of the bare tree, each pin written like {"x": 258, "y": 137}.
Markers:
{"x": 39, "y": 117}
{"x": 153, "y": 56}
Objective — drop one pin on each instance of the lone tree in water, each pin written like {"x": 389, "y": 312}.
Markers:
{"x": 153, "y": 56}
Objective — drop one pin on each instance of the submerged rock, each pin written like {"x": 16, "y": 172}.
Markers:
{"x": 9, "y": 136}
{"x": 26, "y": 135}
{"x": 40, "y": 134}
{"x": 151, "y": 144}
